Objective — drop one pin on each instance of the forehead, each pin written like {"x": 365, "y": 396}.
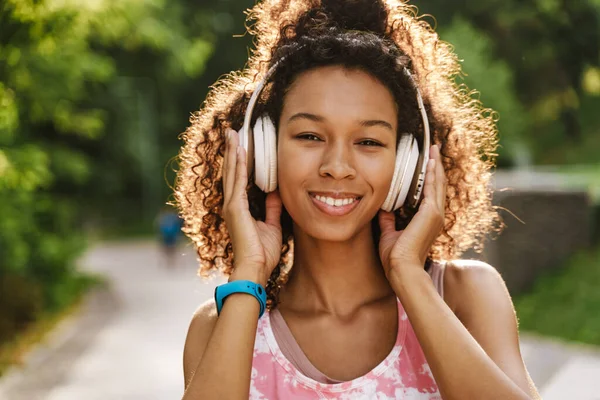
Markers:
{"x": 337, "y": 89}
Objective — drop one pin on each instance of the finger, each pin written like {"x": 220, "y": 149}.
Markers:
{"x": 224, "y": 166}
{"x": 442, "y": 181}
{"x": 241, "y": 175}
{"x": 387, "y": 221}
{"x": 432, "y": 152}
{"x": 230, "y": 166}
{"x": 429, "y": 192}
{"x": 273, "y": 206}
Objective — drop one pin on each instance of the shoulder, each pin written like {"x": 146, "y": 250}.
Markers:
{"x": 201, "y": 327}
{"x": 483, "y": 305}
{"x": 463, "y": 271}
{"x": 470, "y": 284}
{"x": 206, "y": 313}
{"x": 202, "y": 324}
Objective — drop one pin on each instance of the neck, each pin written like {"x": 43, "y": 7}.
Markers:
{"x": 335, "y": 277}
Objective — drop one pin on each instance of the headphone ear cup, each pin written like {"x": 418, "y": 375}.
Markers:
{"x": 404, "y": 169}
{"x": 260, "y": 169}
{"x": 265, "y": 148}
{"x": 409, "y": 174}
{"x": 270, "y": 142}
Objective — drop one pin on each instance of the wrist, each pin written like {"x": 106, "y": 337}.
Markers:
{"x": 401, "y": 274}
{"x": 412, "y": 285}
{"x": 246, "y": 287}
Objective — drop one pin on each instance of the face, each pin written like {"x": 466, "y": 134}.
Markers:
{"x": 336, "y": 151}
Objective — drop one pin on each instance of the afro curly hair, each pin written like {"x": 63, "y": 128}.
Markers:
{"x": 380, "y": 37}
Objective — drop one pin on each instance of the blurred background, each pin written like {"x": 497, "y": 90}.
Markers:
{"x": 93, "y": 97}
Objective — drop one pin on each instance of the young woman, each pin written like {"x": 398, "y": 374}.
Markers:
{"x": 359, "y": 174}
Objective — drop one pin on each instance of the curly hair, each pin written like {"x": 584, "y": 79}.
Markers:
{"x": 381, "y": 38}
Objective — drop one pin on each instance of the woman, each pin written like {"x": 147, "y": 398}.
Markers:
{"x": 322, "y": 204}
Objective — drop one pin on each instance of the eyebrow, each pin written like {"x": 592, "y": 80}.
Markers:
{"x": 317, "y": 118}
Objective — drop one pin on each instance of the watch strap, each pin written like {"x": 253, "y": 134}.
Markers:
{"x": 241, "y": 286}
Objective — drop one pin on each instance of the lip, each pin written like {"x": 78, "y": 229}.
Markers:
{"x": 333, "y": 210}
{"x": 335, "y": 195}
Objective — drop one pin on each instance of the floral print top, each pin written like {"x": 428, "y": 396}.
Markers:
{"x": 403, "y": 374}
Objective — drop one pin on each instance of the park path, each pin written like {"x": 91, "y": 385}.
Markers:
{"x": 127, "y": 342}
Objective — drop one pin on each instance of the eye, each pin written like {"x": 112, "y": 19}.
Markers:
{"x": 309, "y": 137}
{"x": 370, "y": 143}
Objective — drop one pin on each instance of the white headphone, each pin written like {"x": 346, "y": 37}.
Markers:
{"x": 409, "y": 172}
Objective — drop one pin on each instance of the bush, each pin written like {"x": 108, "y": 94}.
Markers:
{"x": 81, "y": 91}
{"x": 21, "y": 302}
{"x": 565, "y": 303}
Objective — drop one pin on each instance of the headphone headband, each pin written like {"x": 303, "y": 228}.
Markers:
{"x": 416, "y": 193}
{"x": 253, "y": 99}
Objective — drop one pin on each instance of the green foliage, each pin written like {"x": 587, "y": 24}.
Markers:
{"x": 565, "y": 303}
{"x": 552, "y": 49}
{"x": 63, "y": 65}
{"x": 473, "y": 47}
{"x": 9, "y": 118}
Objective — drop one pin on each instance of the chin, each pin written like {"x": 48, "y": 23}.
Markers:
{"x": 331, "y": 233}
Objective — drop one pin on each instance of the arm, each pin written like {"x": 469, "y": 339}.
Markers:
{"x": 218, "y": 351}
{"x": 217, "y": 360}
{"x": 476, "y": 356}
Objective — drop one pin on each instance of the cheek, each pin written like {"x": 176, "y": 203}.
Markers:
{"x": 378, "y": 172}
{"x": 290, "y": 164}
{"x": 293, "y": 169}
{"x": 289, "y": 180}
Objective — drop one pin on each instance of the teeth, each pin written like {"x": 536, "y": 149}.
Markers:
{"x": 335, "y": 202}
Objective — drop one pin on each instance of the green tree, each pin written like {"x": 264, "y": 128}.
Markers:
{"x": 473, "y": 47}
{"x": 79, "y": 84}
{"x": 549, "y": 46}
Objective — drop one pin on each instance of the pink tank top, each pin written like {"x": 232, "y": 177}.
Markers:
{"x": 286, "y": 373}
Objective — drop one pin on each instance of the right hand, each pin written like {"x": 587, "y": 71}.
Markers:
{"x": 256, "y": 244}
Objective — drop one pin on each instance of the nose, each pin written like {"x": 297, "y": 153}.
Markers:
{"x": 338, "y": 161}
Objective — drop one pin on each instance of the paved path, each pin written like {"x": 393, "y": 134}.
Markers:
{"x": 127, "y": 343}
{"x": 136, "y": 352}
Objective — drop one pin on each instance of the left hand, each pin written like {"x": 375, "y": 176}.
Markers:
{"x": 409, "y": 248}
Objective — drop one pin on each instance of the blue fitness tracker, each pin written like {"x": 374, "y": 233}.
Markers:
{"x": 252, "y": 288}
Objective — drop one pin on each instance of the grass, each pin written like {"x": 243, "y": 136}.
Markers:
{"x": 13, "y": 352}
{"x": 565, "y": 303}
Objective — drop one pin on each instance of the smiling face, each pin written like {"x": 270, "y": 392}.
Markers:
{"x": 336, "y": 151}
